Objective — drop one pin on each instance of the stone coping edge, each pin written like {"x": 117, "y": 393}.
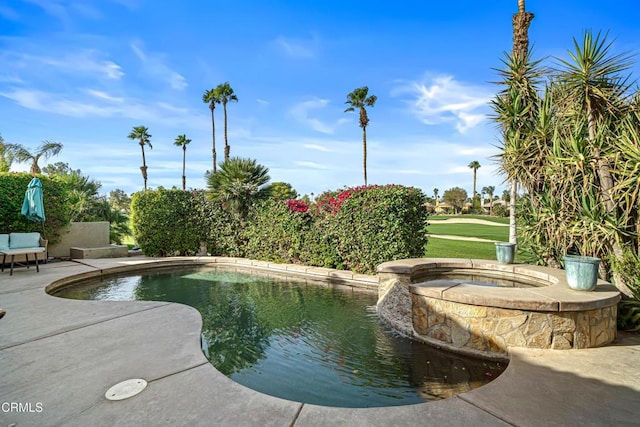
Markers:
{"x": 555, "y": 296}
{"x": 317, "y": 274}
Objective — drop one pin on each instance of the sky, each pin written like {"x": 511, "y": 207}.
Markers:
{"x": 85, "y": 72}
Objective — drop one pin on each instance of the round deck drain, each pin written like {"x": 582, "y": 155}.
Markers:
{"x": 126, "y": 389}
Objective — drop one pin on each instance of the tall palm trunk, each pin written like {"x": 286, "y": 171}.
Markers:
{"x": 184, "y": 176}
{"x": 363, "y": 121}
{"x": 475, "y": 175}
{"x": 227, "y": 149}
{"x": 213, "y": 136}
{"x": 364, "y": 149}
{"x": 521, "y": 22}
{"x": 143, "y": 168}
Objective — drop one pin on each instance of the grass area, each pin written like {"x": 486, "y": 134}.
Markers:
{"x": 497, "y": 219}
{"x": 128, "y": 240}
{"x": 445, "y": 248}
{"x": 490, "y": 232}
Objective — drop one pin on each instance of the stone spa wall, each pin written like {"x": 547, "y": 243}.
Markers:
{"x": 419, "y": 301}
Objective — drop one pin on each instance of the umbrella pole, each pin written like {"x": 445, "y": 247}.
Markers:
{"x": 44, "y": 236}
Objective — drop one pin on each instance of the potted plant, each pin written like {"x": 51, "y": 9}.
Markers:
{"x": 581, "y": 272}
{"x": 505, "y": 252}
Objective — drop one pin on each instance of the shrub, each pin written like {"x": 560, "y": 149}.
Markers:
{"x": 56, "y": 209}
{"x": 376, "y": 224}
{"x": 169, "y": 222}
{"x": 319, "y": 246}
{"x": 277, "y": 231}
{"x": 500, "y": 210}
{"x": 226, "y": 235}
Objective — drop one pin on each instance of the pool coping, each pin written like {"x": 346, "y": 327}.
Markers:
{"x": 49, "y": 345}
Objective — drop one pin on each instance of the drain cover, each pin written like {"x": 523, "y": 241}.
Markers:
{"x": 126, "y": 389}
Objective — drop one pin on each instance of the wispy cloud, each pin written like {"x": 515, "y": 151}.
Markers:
{"x": 104, "y": 96}
{"x": 54, "y": 8}
{"x": 312, "y": 165}
{"x": 443, "y": 99}
{"x": 96, "y": 103}
{"x": 155, "y": 66}
{"x": 301, "y": 113}
{"x": 80, "y": 61}
{"x": 8, "y": 13}
{"x": 67, "y": 106}
{"x": 64, "y": 10}
{"x": 295, "y": 47}
{"x": 317, "y": 147}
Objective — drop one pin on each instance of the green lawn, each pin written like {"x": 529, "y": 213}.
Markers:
{"x": 484, "y": 217}
{"x": 490, "y": 232}
{"x": 445, "y": 248}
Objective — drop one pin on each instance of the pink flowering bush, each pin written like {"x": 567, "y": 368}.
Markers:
{"x": 297, "y": 205}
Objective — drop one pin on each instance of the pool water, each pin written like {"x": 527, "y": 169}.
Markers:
{"x": 303, "y": 342}
{"x": 480, "y": 280}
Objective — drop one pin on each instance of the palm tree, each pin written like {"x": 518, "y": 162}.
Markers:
{"x": 238, "y": 184}
{"x": 475, "y": 166}
{"x": 182, "y": 141}
{"x": 6, "y": 158}
{"x": 489, "y": 190}
{"x": 435, "y": 195}
{"x": 212, "y": 97}
{"x": 359, "y": 99}
{"x": 224, "y": 92}
{"x": 141, "y": 133}
{"x": 521, "y": 22}
{"x": 22, "y": 154}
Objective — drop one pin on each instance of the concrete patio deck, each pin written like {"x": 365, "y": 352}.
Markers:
{"x": 58, "y": 357}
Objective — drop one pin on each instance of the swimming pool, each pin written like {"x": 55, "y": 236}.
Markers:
{"x": 310, "y": 343}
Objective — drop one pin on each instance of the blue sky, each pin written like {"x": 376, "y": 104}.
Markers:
{"x": 85, "y": 72}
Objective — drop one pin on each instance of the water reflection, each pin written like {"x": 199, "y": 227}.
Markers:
{"x": 308, "y": 343}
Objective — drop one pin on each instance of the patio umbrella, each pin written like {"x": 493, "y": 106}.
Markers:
{"x": 33, "y": 206}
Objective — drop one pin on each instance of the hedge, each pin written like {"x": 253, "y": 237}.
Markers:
{"x": 165, "y": 222}
{"x": 12, "y": 191}
{"x": 174, "y": 222}
{"x": 375, "y": 224}
{"x": 355, "y": 228}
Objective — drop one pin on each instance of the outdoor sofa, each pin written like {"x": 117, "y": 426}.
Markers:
{"x": 22, "y": 247}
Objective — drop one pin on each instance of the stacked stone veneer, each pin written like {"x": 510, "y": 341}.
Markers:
{"x": 494, "y": 330}
{"x": 486, "y": 321}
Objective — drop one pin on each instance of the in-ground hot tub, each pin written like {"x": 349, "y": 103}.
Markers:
{"x": 482, "y": 308}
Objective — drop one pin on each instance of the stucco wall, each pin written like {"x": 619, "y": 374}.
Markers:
{"x": 83, "y": 235}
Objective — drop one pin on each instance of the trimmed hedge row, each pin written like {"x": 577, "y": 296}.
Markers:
{"x": 12, "y": 191}
{"x": 356, "y": 228}
{"x": 168, "y": 222}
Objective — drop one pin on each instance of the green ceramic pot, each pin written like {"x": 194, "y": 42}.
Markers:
{"x": 581, "y": 272}
{"x": 505, "y": 252}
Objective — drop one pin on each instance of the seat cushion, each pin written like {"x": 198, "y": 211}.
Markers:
{"x": 24, "y": 240}
{"x": 4, "y": 241}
